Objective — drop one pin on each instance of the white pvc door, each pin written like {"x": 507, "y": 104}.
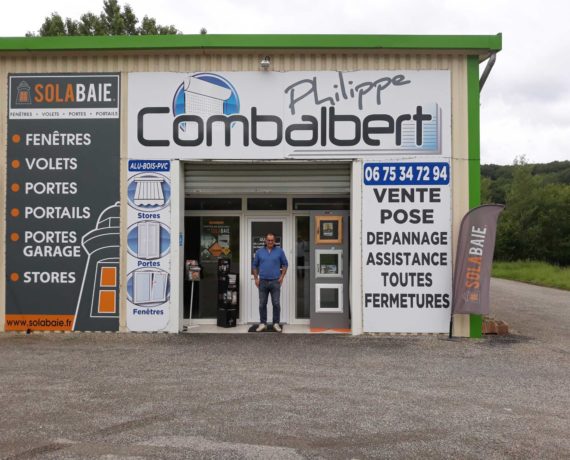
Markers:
{"x": 257, "y": 228}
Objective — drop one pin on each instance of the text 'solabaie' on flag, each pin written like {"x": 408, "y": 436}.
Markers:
{"x": 474, "y": 260}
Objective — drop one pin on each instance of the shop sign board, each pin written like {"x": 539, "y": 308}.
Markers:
{"x": 406, "y": 246}
{"x": 62, "y": 224}
{"x": 296, "y": 115}
{"x": 149, "y": 244}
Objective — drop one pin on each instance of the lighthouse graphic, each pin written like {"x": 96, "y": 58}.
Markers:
{"x": 98, "y": 303}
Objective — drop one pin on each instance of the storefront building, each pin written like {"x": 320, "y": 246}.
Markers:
{"x": 142, "y": 174}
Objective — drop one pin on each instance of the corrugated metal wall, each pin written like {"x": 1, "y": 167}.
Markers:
{"x": 240, "y": 61}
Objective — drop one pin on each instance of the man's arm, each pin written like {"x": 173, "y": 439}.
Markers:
{"x": 255, "y": 274}
{"x": 284, "y": 266}
{"x": 283, "y": 272}
{"x": 255, "y": 269}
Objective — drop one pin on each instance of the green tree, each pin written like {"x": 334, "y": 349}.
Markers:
{"x": 113, "y": 20}
{"x": 517, "y": 228}
{"x": 535, "y": 223}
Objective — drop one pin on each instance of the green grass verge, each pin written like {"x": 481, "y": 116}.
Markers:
{"x": 539, "y": 273}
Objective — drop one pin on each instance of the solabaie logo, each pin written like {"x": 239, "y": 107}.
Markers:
{"x": 23, "y": 93}
{"x": 64, "y": 91}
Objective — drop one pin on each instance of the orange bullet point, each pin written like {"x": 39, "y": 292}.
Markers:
{"x": 15, "y": 187}
{"x": 14, "y": 236}
{"x": 15, "y": 164}
{"x": 15, "y": 212}
{"x": 14, "y": 277}
{"x": 16, "y": 138}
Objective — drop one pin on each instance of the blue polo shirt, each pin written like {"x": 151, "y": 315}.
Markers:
{"x": 268, "y": 264}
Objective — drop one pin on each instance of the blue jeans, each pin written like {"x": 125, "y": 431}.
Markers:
{"x": 265, "y": 288}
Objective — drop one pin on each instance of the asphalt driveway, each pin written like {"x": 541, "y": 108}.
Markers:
{"x": 265, "y": 396}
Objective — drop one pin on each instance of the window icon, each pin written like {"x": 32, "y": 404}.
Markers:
{"x": 107, "y": 298}
{"x": 150, "y": 287}
{"x": 107, "y": 301}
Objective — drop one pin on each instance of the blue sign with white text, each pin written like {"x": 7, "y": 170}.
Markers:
{"x": 149, "y": 165}
{"x": 432, "y": 173}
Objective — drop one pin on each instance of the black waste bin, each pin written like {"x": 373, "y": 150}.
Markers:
{"x": 227, "y": 317}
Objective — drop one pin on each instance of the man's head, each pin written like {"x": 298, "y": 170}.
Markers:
{"x": 270, "y": 240}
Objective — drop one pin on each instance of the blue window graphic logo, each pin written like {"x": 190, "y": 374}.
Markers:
{"x": 205, "y": 94}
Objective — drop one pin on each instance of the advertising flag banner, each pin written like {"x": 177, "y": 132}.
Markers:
{"x": 474, "y": 260}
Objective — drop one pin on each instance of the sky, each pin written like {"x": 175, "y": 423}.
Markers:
{"x": 525, "y": 104}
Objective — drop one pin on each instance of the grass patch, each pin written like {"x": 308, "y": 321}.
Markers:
{"x": 539, "y": 273}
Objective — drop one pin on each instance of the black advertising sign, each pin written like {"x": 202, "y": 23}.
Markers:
{"x": 62, "y": 223}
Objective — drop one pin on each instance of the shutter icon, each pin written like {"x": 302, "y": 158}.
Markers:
{"x": 149, "y": 192}
{"x": 204, "y": 98}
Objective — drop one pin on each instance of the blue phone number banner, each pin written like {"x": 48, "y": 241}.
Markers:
{"x": 406, "y": 173}
{"x": 149, "y": 165}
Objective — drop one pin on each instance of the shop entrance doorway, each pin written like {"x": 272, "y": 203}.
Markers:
{"x": 257, "y": 228}
{"x": 234, "y": 227}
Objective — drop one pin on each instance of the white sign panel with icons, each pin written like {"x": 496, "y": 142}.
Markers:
{"x": 148, "y": 245}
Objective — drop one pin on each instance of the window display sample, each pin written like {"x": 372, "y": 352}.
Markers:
{"x": 328, "y": 229}
{"x": 328, "y": 262}
{"x": 329, "y": 298}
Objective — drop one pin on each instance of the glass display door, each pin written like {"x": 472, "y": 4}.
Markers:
{"x": 257, "y": 228}
{"x": 302, "y": 269}
{"x": 209, "y": 239}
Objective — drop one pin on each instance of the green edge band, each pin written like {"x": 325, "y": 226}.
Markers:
{"x": 475, "y": 321}
{"x": 481, "y": 45}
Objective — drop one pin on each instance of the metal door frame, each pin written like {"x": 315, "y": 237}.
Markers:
{"x": 251, "y": 307}
{"x": 290, "y": 236}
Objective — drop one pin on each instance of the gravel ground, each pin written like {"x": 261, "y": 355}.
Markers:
{"x": 295, "y": 396}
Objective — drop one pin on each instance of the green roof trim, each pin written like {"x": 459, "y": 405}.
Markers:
{"x": 489, "y": 43}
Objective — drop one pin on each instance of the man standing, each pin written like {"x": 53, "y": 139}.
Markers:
{"x": 269, "y": 268}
